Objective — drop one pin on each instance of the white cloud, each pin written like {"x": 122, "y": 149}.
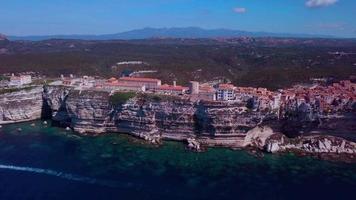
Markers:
{"x": 320, "y": 3}
{"x": 240, "y": 10}
{"x": 334, "y": 26}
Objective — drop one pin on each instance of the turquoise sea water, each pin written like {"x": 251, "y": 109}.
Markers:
{"x": 44, "y": 162}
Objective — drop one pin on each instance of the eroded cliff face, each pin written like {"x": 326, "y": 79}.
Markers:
{"x": 150, "y": 118}
{"x": 54, "y": 103}
{"x": 24, "y": 105}
{"x": 225, "y": 123}
{"x": 198, "y": 123}
{"x": 307, "y": 118}
{"x": 209, "y": 123}
{"x": 89, "y": 111}
{"x": 225, "y": 118}
{"x": 214, "y": 124}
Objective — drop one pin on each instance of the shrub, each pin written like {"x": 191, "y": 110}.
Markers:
{"x": 4, "y": 78}
{"x": 10, "y": 90}
{"x": 120, "y": 98}
{"x": 159, "y": 97}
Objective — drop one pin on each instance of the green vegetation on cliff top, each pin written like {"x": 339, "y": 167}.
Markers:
{"x": 158, "y": 97}
{"x": 10, "y": 90}
{"x": 2, "y": 78}
{"x": 120, "y": 98}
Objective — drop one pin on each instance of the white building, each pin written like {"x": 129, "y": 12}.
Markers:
{"x": 20, "y": 80}
{"x": 225, "y": 92}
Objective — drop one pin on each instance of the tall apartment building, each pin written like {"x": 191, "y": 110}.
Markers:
{"x": 225, "y": 92}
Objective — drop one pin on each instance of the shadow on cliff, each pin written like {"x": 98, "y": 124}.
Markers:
{"x": 202, "y": 122}
{"x": 58, "y": 117}
{"x": 46, "y": 110}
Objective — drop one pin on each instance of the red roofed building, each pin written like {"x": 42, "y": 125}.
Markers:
{"x": 68, "y": 81}
{"x": 115, "y": 85}
{"x": 171, "y": 89}
{"x": 149, "y": 83}
{"x": 207, "y": 93}
{"x": 112, "y": 80}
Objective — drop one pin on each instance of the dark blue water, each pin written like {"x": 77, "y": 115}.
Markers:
{"x": 44, "y": 162}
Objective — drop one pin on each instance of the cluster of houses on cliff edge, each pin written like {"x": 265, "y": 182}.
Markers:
{"x": 218, "y": 92}
{"x": 330, "y": 98}
{"x": 262, "y": 98}
{"x": 20, "y": 80}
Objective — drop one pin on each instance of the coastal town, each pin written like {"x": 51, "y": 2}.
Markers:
{"x": 326, "y": 98}
{"x": 201, "y": 114}
{"x": 177, "y": 99}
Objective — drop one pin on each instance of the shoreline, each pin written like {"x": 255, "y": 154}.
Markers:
{"x": 256, "y": 151}
{"x": 123, "y": 158}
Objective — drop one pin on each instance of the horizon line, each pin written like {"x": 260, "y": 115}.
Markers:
{"x": 288, "y": 34}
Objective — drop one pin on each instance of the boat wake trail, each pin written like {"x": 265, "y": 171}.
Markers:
{"x": 68, "y": 176}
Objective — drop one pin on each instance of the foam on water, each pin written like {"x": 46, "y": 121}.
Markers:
{"x": 68, "y": 176}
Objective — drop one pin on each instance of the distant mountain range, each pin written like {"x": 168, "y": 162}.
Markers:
{"x": 189, "y": 32}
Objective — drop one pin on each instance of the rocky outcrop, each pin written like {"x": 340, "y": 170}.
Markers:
{"x": 258, "y": 136}
{"x": 193, "y": 144}
{"x": 23, "y": 105}
{"x": 310, "y": 144}
{"x": 264, "y": 138}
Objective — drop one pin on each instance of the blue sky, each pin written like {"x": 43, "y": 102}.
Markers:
{"x": 48, "y": 17}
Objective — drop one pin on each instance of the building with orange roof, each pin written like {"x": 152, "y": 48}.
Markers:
{"x": 149, "y": 83}
{"x": 171, "y": 89}
{"x": 68, "y": 81}
{"x": 207, "y": 93}
{"x": 122, "y": 87}
{"x": 112, "y": 80}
